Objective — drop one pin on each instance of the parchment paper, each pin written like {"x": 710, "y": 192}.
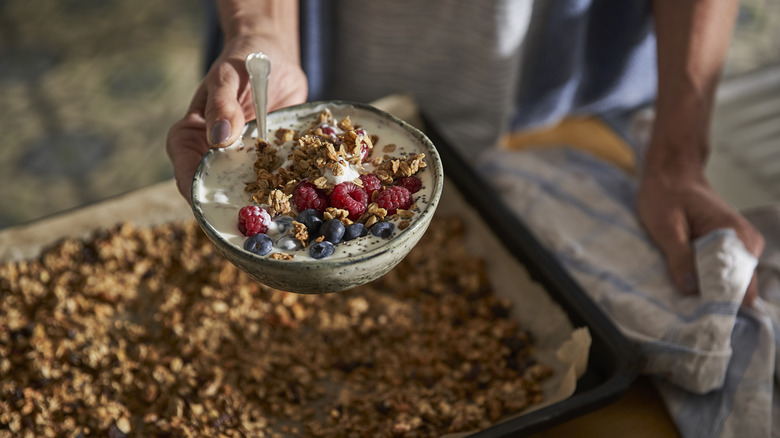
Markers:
{"x": 558, "y": 343}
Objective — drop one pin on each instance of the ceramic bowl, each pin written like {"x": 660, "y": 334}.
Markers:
{"x": 216, "y": 210}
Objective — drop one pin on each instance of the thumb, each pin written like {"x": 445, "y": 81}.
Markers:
{"x": 224, "y": 114}
{"x": 672, "y": 235}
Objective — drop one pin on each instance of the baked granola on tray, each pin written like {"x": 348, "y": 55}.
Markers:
{"x": 150, "y": 332}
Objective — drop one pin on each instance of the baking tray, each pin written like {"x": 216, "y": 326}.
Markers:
{"x": 614, "y": 362}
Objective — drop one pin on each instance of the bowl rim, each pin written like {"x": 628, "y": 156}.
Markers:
{"x": 433, "y": 163}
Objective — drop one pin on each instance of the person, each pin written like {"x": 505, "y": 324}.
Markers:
{"x": 480, "y": 68}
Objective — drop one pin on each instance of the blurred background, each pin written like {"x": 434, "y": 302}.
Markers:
{"x": 89, "y": 88}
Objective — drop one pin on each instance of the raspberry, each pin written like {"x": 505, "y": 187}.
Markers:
{"x": 306, "y": 195}
{"x": 411, "y": 183}
{"x": 328, "y": 130}
{"x": 364, "y": 145}
{"x": 393, "y": 198}
{"x": 371, "y": 183}
{"x": 253, "y": 220}
{"x": 351, "y": 197}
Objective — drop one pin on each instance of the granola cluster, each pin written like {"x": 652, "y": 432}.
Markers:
{"x": 315, "y": 152}
{"x": 150, "y": 332}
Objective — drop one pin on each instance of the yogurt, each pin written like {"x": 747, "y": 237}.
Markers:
{"x": 227, "y": 171}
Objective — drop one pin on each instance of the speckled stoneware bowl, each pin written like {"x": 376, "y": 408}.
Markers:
{"x": 304, "y": 274}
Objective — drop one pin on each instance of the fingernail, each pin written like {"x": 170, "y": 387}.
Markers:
{"x": 220, "y": 132}
{"x": 687, "y": 282}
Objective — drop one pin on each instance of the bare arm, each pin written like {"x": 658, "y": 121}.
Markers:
{"x": 676, "y": 203}
{"x": 693, "y": 37}
{"x": 254, "y": 17}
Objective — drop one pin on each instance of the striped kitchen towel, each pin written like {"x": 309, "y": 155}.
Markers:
{"x": 713, "y": 361}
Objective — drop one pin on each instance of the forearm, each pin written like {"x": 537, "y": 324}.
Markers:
{"x": 693, "y": 38}
{"x": 275, "y": 19}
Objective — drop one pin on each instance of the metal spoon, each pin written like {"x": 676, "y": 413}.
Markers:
{"x": 259, "y": 66}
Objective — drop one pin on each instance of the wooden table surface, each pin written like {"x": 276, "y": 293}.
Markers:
{"x": 640, "y": 413}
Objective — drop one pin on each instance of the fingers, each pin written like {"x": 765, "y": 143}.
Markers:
{"x": 754, "y": 242}
{"x": 223, "y": 112}
{"x": 215, "y": 118}
{"x": 679, "y": 208}
{"x": 672, "y": 235}
{"x": 185, "y": 146}
{"x": 750, "y": 237}
{"x": 752, "y": 291}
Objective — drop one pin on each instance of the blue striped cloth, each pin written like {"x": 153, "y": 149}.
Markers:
{"x": 713, "y": 361}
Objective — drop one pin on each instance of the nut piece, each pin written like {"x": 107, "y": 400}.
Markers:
{"x": 336, "y": 213}
{"x": 279, "y": 202}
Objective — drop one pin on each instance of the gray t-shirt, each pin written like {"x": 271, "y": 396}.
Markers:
{"x": 459, "y": 59}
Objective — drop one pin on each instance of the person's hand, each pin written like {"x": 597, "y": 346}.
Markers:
{"x": 676, "y": 205}
{"x": 675, "y": 202}
{"x": 223, "y": 103}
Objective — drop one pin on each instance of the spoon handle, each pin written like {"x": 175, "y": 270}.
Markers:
{"x": 259, "y": 67}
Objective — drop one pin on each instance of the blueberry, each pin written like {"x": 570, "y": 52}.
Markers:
{"x": 259, "y": 244}
{"x": 354, "y": 231}
{"x": 320, "y": 250}
{"x": 308, "y": 213}
{"x": 382, "y": 229}
{"x": 312, "y": 219}
{"x": 332, "y": 230}
{"x": 283, "y": 223}
{"x": 288, "y": 243}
